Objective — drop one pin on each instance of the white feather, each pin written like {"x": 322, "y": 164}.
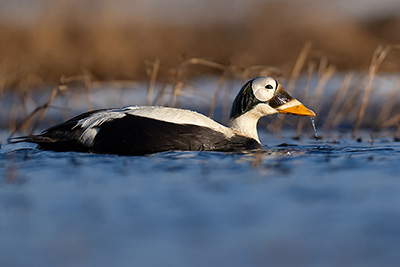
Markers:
{"x": 175, "y": 115}
{"x": 246, "y": 124}
{"x": 291, "y": 103}
{"x": 98, "y": 118}
{"x": 91, "y": 124}
{"x": 88, "y": 136}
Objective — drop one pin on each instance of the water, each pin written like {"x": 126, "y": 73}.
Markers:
{"x": 313, "y": 125}
{"x": 298, "y": 203}
{"x": 307, "y": 202}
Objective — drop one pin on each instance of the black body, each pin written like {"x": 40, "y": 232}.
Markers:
{"x": 136, "y": 135}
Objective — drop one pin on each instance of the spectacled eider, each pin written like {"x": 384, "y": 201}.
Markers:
{"x": 143, "y": 130}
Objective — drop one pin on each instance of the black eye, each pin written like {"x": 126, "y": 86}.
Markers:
{"x": 269, "y": 86}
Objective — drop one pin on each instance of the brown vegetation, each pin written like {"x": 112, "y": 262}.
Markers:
{"x": 345, "y": 109}
{"x": 68, "y": 42}
{"x": 285, "y": 43}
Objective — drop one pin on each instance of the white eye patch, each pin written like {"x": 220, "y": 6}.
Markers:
{"x": 264, "y": 88}
{"x": 263, "y": 94}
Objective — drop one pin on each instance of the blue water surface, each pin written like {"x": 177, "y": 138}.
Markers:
{"x": 297, "y": 203}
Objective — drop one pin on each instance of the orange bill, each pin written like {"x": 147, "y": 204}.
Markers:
{"x": 300, "y": 110}
{"x": 284, "y": 103}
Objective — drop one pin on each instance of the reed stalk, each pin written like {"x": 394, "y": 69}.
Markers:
{"x": 214, "y": 100}
{"x": 298, "y": 66}
{"x": 310, "y": 72}
{"x": 153, "y": 77}
{"x": 339, "y": 99}
{"x": 378, "y": 57}
{"x": 316, "y": 101}
{"x": 389, "y": 103}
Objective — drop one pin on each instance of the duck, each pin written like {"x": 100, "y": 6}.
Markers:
{"x": 142, "y": 130}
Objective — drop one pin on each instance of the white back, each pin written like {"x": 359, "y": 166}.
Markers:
{"x": 92, "y": 123}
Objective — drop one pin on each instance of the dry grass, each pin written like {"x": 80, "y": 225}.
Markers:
{"x": 346, "y": 109}
{"x": 377, "y": 58}
{"x": 65, "y": 44}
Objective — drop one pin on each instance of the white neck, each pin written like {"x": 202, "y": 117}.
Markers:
{"x": 246, "y": 124}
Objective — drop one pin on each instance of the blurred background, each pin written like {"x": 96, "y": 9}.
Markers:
{"x": 331, "y": 52}
{"x": 44, "y": 39}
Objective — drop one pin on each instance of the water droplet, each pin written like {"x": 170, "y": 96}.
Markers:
{"x": 313, "y": 125}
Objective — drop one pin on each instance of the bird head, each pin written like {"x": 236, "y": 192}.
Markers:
{"x": 264, "y": 96}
